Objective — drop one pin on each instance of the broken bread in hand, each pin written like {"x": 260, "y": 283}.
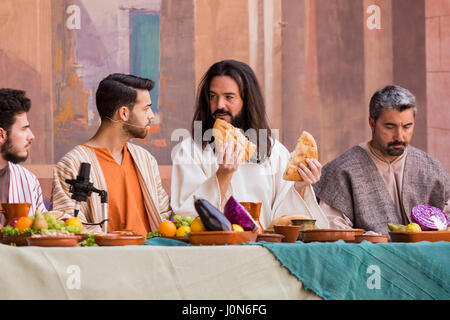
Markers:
{"x": 306, "y": 148}
{"x": 224, "y": 132}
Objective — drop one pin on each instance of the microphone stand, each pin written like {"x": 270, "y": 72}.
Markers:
{"x": 81, "y": 190}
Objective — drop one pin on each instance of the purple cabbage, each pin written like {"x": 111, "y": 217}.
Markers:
{"x": 429, "y": 217}
{"x": 237, "y": 214}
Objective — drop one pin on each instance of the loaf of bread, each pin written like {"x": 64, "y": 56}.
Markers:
{"x": 225, "y": 132}
{"x": 306, "y": 148}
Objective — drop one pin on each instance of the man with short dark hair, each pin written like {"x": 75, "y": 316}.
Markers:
{"x": 129, "y": 173}
{"x": 380, "y": 181}
{"x": 17, "y": 184}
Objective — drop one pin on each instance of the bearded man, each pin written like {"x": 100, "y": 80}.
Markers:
{"x": 17, "y": 184}
{"x": 380, "y": 181}
{"x": 229, "y": 91}
{"x": 129, "y": 173}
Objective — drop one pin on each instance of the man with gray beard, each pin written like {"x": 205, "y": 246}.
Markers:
{"x": 380, "y": 181}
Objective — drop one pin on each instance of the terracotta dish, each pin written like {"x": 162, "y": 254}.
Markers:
{"x": 115, "y": 239}
{"x": 184, "y": 239}
{"x": 70, "y": 241}
{"x": 222, "y": 237}
{"x": 18, "y": 240}
{"x": 432, "y": 236}
{"x": 13, "y": 210}
{"x": 270, "y": 237}
{"x": 371, "y": 238}
{"x": 290, "y": 233}
{"x": 330, "y": 235}
{"x": 254, "y": 208}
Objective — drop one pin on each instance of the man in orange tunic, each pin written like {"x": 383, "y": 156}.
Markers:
{"x": 129, "y": 173}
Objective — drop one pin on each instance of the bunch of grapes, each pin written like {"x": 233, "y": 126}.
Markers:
{"x": 53, "y": 223}
{"x": 182, "y": 221}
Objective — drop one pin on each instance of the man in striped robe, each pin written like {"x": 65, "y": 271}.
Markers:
{"x": 129, "y": 173}
{"x": 17, "y": 184}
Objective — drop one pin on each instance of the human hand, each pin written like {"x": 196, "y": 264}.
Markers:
{"x": 310, "y": 176}
{"x": 229, "y": 157}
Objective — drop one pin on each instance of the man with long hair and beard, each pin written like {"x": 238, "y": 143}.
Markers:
{"x": 230, "y": 91}
{"x": 17, "y": 184}
{"x": 380, "y": 181}
{"x": 129, "y": 173}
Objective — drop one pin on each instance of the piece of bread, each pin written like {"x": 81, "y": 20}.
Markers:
{"x": 225, "y": 132}
{"x": 306, "y": 148}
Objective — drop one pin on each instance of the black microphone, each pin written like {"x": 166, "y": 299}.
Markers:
{"x": 80, "y": 187}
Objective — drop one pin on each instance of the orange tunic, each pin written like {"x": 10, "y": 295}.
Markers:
{"x": 126, "y": 209}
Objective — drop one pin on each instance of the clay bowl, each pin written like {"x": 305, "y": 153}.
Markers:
{"x": 17, "y": 240}
{"x": 371, "y": 238}
{"x": 290, "y": 233}
{"x": 14, "y": 210}
{"x": 306, "y": 224}
{"x": 330, "y": 235}
{"x": 53, "y": 241}
{"x": 116, "y": 239}
{"x": 221, "y": 237}
{"x": 270, "y": 237}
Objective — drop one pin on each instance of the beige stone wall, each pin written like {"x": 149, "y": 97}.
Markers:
{"x": 438, "y": 79}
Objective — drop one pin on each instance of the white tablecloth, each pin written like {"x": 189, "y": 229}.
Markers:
{"x": 146, "y": 272}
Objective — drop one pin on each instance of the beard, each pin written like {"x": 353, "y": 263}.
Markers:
{"x": 135, "y": 130}
{"x": 236, "y": 121}
{"x": 390, "y": 150}
{"x": 9, "y": 153}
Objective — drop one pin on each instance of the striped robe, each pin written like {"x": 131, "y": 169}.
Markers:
{"x": 25, "y": 187}
{"x": 156, "y": 200}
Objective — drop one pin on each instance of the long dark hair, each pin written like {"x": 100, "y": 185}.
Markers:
{"x": 254, "y": 109}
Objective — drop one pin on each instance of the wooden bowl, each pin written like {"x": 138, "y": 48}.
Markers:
{"x": 222, "y": 237}
{"x": 330, "y": 235}
{"x": 270, "y": 237}
{"x": 290, "y": 233}
{"x": 14, "y": 210}
{"x": 432, "y": 236}
{"x": 371, "y": 238}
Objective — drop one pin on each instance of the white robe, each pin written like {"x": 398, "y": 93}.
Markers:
{"x": 194, "y": 174}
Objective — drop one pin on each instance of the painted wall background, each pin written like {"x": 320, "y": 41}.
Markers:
{"x": 318, "y": 62}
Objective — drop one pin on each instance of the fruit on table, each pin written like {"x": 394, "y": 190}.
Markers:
{"x": 73, "y": 222}
{"x": 24, "y": 223}
{"x": 413, "y": 227}
{"x": 397, "y": 227}
{"x": 167, "y": 228}
{"x": 183, "y": 231}
{"x": 237, "y": 228}
{"x": 197, "y": 225}
{"x": 39, "y": 222}
{"x": 13, "y": 221}
{"x": 212, "y": 218}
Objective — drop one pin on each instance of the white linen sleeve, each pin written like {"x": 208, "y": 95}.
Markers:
{"x": 190, "y": 178}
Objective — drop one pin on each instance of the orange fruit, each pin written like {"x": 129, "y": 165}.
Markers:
{"x": 237, "y": 228}
{"x": 167, "y": 228}
{"x": 197, "y": 225}
{"x": 74, "y": 222}
{"x": 183, "y": 231}
{"x": 24, "y": 223}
